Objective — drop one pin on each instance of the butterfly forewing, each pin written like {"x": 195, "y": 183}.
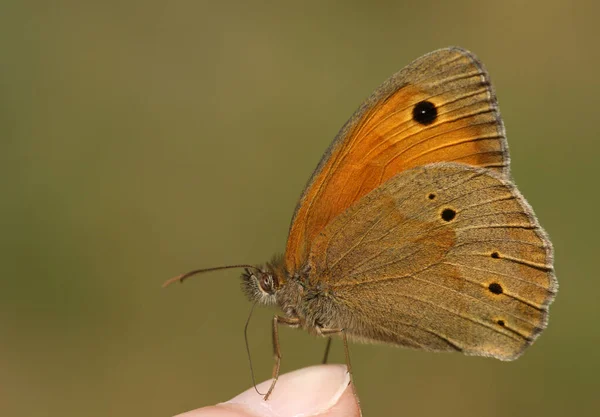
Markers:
{"x": 439, "y": 108}
{"x": 441, "y": 257}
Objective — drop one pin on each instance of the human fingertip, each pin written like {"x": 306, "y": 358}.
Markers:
{"x": 308, "y": 391}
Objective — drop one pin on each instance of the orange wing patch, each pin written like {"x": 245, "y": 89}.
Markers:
{"x": 384, "y": 137}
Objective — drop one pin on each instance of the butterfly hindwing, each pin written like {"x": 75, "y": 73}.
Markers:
{"x": 440, "y": 257}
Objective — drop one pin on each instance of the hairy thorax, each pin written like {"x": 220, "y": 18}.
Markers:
{"x": 309, "y": 300}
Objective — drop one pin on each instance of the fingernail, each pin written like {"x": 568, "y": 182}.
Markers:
{"x": 305, "y": 392}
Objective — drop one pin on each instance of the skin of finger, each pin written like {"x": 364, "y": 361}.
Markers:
{"x": 221, "y": 410}
{"x": 347, "y": 406}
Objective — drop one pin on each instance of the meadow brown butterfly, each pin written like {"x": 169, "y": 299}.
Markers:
{"x": 410, "y": 231}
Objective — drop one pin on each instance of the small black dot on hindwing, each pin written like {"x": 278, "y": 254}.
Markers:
{"x": 448, "y": 214}
{"x": 495, "y": 288}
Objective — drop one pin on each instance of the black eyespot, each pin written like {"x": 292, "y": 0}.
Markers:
{"x": 448, "y": 214}
{"x": 431, "y": 196}
{"x": 495, "y": 288}
{"x": 424, "y": 112}
{"x": 495, "y": 255}
{"x": 500, "y": 323}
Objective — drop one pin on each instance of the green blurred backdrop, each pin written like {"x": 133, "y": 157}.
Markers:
{"x": 141, "y": 139}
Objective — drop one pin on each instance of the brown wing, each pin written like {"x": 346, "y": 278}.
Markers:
{"x": 441, "y": 257}
{"x": 439, "y": 108}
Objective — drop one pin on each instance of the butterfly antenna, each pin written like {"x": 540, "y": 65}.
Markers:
{"x": 180, "y": 278}
{"x": 248, "y": 349}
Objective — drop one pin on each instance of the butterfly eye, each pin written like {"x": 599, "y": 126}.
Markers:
{"x": 266, "y": 283}
{"x": 425, "y": 112}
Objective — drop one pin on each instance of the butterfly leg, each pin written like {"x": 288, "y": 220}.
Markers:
{"x": 327, "y": 347}
{"x": 277, "y": 320}
{"x": 328, "y": 332}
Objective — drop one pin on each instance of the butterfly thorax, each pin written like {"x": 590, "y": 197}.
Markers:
{"x": 298, "y": 296}
{"x": 309, "y": 300}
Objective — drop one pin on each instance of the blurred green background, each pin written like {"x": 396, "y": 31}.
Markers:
{"x": 142, "y": 139}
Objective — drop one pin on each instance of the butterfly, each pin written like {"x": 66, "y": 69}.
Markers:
{"x": 410, "y": 231}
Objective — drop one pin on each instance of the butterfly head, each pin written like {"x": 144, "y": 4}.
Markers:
{"x": 261, "y": 284}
